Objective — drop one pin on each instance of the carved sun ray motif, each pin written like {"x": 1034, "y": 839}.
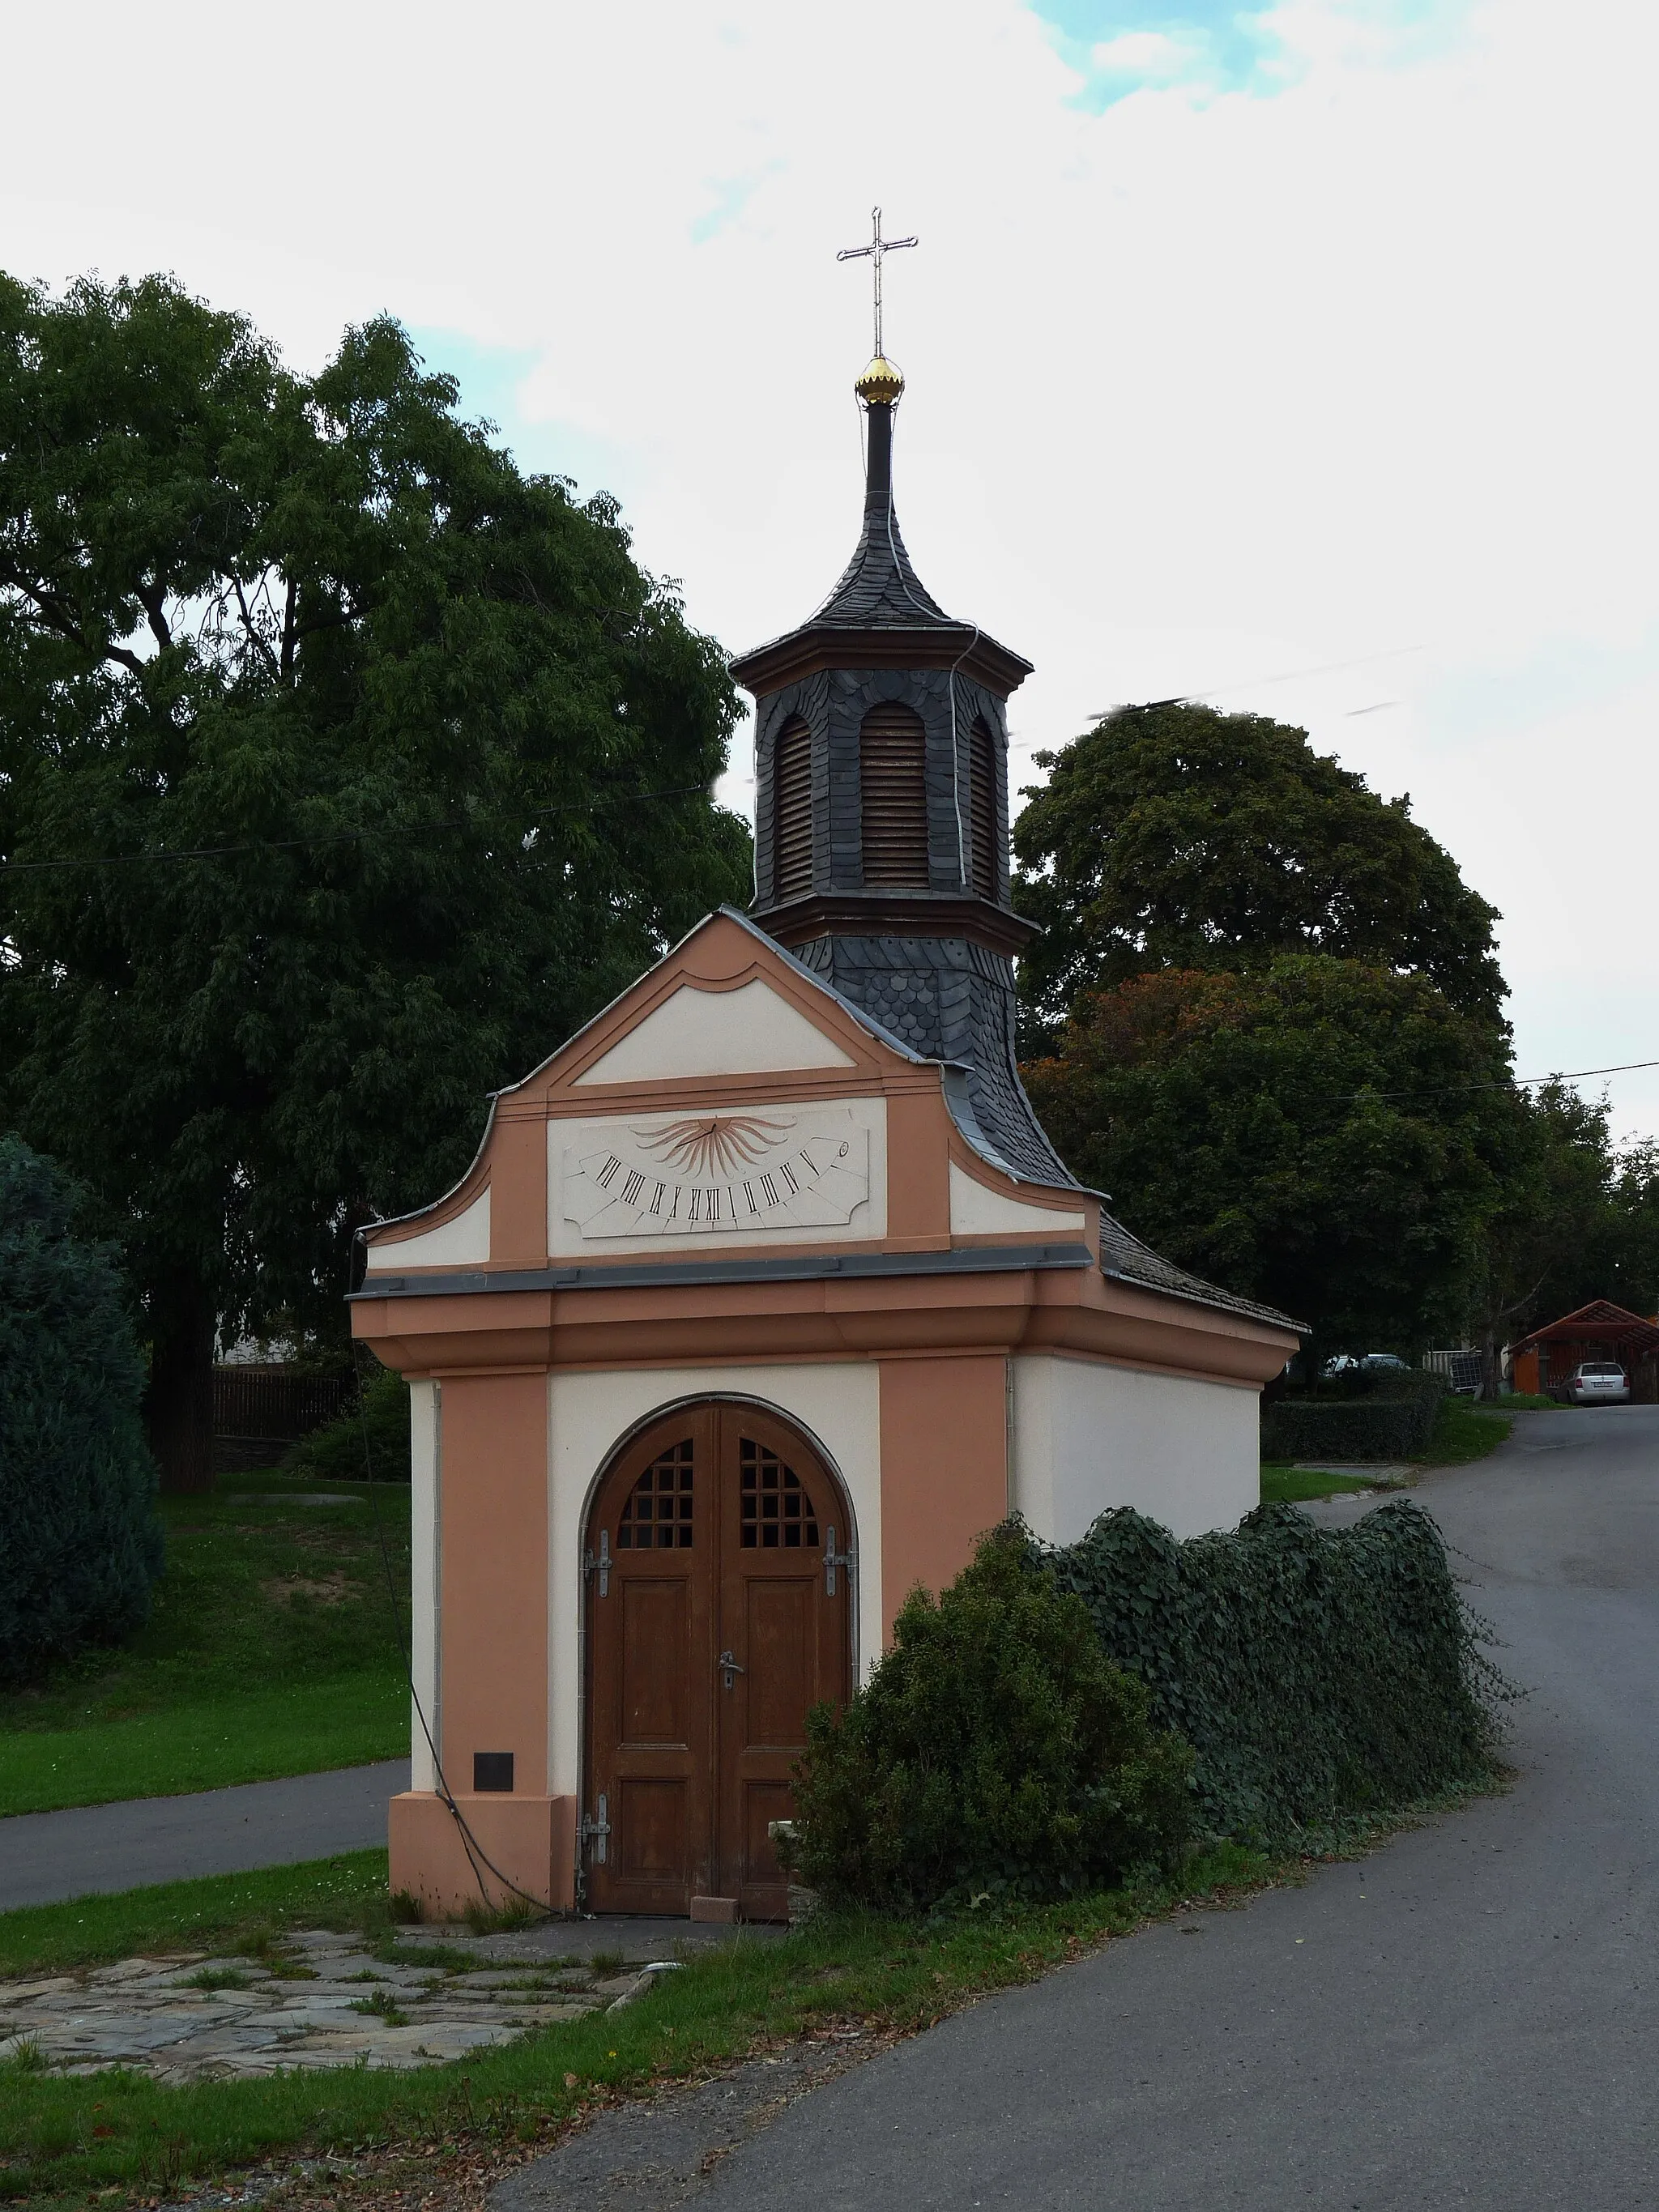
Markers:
{"x": 713, "y": 1144}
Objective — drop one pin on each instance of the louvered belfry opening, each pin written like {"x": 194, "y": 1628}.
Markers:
{"x": 893, "y": 797}
{"x": 792, "y": 799}
{"x": 982, "y": 810}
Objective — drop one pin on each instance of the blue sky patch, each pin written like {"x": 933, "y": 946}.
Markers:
{"x": 1120, "y": 47}
{"x": 491, "y": 378}
{"x": 727, "y": 198}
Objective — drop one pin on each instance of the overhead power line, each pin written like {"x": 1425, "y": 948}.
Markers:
{"x": 1515, "y": 1083}
{"x": 1284, "y": 676}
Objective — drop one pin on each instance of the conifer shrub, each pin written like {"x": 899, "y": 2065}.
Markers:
{"x": 995, "y": 1747}
{"x": 1317, "y": 1673}
{"x": 80, "y": 1541}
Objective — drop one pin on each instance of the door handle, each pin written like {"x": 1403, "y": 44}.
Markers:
{"x": 730, "y": 1668}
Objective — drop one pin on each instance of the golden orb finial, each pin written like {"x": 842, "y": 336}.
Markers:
{"x": 881, "y": 383}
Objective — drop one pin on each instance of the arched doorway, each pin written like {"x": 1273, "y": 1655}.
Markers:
{"x": 718, "y": 1612}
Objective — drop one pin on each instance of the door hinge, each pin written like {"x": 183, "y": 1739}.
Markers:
{"x": 601, "y": 1566}
{"x": 598, "y": 1832}
{"x": 832, "y": 1559}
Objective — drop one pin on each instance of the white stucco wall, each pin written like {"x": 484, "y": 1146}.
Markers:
{"x": 1086, "y": 1436}
{"x": 838, "y": 1405}
{"x": 426, "y": 1536}
{"x": 462, "y": 1242}
{"x": 747, "y": 1032}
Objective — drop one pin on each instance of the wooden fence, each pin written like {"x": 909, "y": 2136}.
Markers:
{"x": 275, "y": 1404}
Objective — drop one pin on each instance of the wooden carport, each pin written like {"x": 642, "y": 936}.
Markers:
{"x": 1543, "y": 1361}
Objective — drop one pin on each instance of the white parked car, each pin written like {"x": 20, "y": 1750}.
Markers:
{"x": 1598, "y": 1383}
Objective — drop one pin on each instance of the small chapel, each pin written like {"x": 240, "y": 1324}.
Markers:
{"x": 764, "y": 1298}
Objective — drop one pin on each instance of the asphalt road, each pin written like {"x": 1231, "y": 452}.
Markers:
{"x": 46, "y": 1856}
{"x": 1469, "y": 2018}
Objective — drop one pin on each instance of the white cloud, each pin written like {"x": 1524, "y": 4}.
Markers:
{"x": 1201, "y": 390}
{"x": 1151, "y": 54}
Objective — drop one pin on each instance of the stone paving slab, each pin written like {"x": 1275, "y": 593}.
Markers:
{"x": 308, "y": 2006}
{"x": 202, "y": 2015}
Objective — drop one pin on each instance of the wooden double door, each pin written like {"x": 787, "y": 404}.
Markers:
{"x": 718, "y": 1612}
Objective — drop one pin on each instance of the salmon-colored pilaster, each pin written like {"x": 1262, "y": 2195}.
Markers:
{"x": 518, "y": 1189}
{"x": 918, "y": 1168}
{"x": 530, "y": 1840}
{"x": 493, "y": 1629}
{"x": 944, "y": 1468}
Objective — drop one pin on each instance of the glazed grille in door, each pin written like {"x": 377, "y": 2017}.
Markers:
{"x": 658, "y": 1508}
{"x": 777, "y": 1513}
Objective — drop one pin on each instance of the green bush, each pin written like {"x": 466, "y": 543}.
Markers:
{"x": 1314, "y": 1672}
{"x": 79, "y": 1542}
{"x": 370, "y": 1442}
{"x": 993, "y": 1748}
{"x": 1392, "y": 1419}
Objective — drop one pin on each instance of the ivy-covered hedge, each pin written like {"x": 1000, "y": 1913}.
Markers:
{"x": 1314, "y": 1672}
{"x": 1394, "y": 1420}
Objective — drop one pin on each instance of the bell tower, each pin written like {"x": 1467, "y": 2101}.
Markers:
{"x": 882, "y": 807}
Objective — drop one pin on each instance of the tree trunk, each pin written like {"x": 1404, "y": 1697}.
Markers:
{"x": 179, "y": 1402}
{"x": 1492, "y": 1379}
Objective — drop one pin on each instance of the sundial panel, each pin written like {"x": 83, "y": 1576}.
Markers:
{"x": 721, "y": 1176}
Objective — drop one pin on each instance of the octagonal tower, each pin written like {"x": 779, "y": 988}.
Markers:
{"x": 882, "y": 810}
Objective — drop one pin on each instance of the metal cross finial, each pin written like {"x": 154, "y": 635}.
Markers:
{"x": 877, "y": 246}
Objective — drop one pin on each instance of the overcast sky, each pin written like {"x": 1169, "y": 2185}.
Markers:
{"x": 1239, "y": 345}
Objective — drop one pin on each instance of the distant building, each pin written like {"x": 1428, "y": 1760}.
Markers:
{"x": 1542, "y": 1362}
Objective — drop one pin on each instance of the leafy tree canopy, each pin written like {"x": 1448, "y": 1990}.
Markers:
{"x": 1173, "y": 837}
{"x": 378, "y": 766}
{"x": 82, "y": 1544}
{"x": 1326, "y": 1137}
{"x": 1579, "y": 1219}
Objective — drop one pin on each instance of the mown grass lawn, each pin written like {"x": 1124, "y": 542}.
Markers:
{"x": 272, "y": 1649}
{"x": 223, "y": 1912}
{"x": 63, "y": 2140}
{"x": 1463, "y": 1431}
{"x": 1285, "y": 1484}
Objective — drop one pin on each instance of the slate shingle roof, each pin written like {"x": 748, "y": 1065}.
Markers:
{"x": 879, "y": 589}
{"x": 1120, "y": 1253}
{"x": 989, "y": 1104}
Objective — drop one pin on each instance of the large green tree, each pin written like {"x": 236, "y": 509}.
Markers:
{"x": 1327, "y": 1136}
{"x": 1173, "y": 837}
{"x": 1579, "y": 1219}
{"x": 344, "y": 770}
